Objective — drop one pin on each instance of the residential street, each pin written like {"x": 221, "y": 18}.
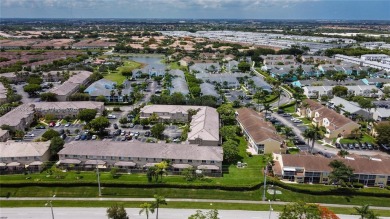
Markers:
{"x": 319, "y": 147}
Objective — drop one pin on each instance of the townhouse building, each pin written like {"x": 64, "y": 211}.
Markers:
{"x": 16, "y": 157}
{"x": 138, "y": 156}
{"x": 66, "y": 109}
{"x": 204, "y": 124}
{"x": 315, "y": 92}
{"x": 19, "y": 118}
{"x": 71, "y": 86}
{"x": 108, "y": 89}
{"x": 261, "y": 135}
{"x": 370, "y": 171}
{"x": 336, "y": 125}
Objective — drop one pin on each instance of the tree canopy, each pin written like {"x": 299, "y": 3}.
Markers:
{"x": 117, "y": 212}
{"x": 87, "y": 114}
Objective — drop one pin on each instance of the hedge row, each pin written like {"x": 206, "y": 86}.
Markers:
{"x": 131, "y": 185}
{"x": 325, "y": 190}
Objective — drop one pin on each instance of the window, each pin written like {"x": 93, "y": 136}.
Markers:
{"x": 212, "y": 161}
{"x": 154, "y": 159}
{"x": 173, "y": 160}
{"x": 112, "y": 158}
{"x": 181, "y": 160}
{"x": 189, "y": 161}
{"x": 203, "y": 161}
{"x": 146, "y": 159}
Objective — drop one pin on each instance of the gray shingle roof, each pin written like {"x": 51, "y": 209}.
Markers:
{"x": 142, "y": 150}
{"x": 23, "y": 149}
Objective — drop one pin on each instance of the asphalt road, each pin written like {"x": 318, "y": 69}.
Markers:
{"x": 133, "y": 213}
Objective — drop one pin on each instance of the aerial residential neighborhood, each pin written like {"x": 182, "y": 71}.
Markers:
{"x": 256, "y": 118}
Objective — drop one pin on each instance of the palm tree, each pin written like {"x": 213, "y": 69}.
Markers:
{"x": 158, "y": 200}
{"x": 338, "y": 108}
{"x": 288, "y": 131}
{"x": 266, "y": 108}
{"x": 147, "y": 208}
{"x": 313, "y": 133}
{"x": 363, "y": 211}
{"x": 112, "y": 94}
{"x": 298, "y": 98}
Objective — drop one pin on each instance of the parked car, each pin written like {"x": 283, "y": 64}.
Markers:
{"x": 77, "y": 137}
{"x": 110, "y": 116}
{"x": 83, "y": 137}
{"x": 61, "y": 131}
{"x": 131, "y": 125}
{"x": 67, "y": 124}
{"x": 356, "y": 145}
{"x": 350, "y": 146}
{"x": 63, "y": 136}
{"x": 40, "y": 127}
{"x": 52, "y": 124}
{"x": 147, "y": 134}
{"x": 94, "y": 137}
{"x": 115, "y": 126}
{"x": 29, "y": 135}
{"x": 58, "y": 124}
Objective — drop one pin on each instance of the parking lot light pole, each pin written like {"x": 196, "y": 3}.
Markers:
{"x": 51, "y": 206}
{"x": 265, "y": 182}
{"x": 98, "y": 178}
{"x": 270, "y": 209}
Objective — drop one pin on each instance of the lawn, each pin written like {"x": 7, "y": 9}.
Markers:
{"x": 365, "y": 138}
{"x": 117, "y": 77}
{"x": 289, "y": 109}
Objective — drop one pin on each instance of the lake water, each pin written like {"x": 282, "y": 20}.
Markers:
{"x": 152, "y": 61}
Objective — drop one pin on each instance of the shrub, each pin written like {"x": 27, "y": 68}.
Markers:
{"x": 116, "y": 109}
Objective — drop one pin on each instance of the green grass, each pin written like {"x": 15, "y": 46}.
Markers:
{"x": 289, "y": 109}
{"x": 117, "y": 77}
{"x": 233, "y": 176}
{"x": 305, "y": 120}
{"x": 365, "y": 138}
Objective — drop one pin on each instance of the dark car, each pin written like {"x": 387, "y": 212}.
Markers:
{"x": 115, "y": 126}
{"x": 61, "y": 132}
{"x": 299, "y": 142}
{"x": 356, "y": 145}
{"x": 350, "y": 146}
{"x": 63, "y": 136}
{"x": 83, "y": 137}
{"x": 280, "y": 111}
{"x": 40, "y": 127}
{"x": 147, "y": 134}
{"x": 338, "y": 145}
{"x": 363, "y": 145}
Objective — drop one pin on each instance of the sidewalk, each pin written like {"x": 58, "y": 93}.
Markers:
{"x": 178, "y": 200}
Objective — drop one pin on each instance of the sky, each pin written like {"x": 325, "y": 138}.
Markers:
{"x": 198, "y": 9}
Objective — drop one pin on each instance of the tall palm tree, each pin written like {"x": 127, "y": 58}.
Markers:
{"x": 158, "y": 201}
{"x": 266, "y": 108}
{"x": 298, "y": 98}
{"x": 112, "y": 94}
{"x": 147, "y": 208}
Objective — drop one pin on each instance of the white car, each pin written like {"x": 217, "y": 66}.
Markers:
{"x": 94, "y": 137}
{"x": 58, "y": 124}
{"x": 110, "y": 116}
{"x": 29, "y": 135}
{"x": 67, "y": 124}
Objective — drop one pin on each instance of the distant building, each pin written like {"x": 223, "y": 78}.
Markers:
{"x": 108, "y": 89}
{"x": 63, "y": 109}
{"x": 19, "y": 118}
{"x": 71, "y": 86}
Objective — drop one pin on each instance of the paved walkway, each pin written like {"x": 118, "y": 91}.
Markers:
{"x": 176, "y": 200}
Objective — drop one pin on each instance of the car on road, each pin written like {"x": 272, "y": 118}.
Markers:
{"x": 280, "y": 111}
{"x": 115, "y": 126}
{"x": 131, "y": 125}
{"x": 77, "y": 137}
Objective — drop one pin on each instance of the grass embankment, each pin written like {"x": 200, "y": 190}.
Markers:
{"x": 364, "y": 138}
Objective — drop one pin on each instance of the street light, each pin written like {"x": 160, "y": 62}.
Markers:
{"x": 51, "y": 206}
{"x": 270, "y": 209}
{"x": 98, "y": 178}
{"x": 265, "y": 181}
